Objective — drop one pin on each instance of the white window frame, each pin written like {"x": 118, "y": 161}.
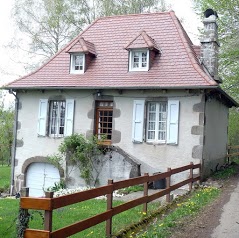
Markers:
{"x": 72, "y": 69}
{"x": 141, "y": 122}
{"x": 157, "y": 122}
{"x": 131, "y": 60}
{"x": 57, "y": 122}
{"x": 45, "y": 118}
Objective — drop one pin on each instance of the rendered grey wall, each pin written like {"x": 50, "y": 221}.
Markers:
{"x": 215, "y": 140}
{"x": 152, "y": 157}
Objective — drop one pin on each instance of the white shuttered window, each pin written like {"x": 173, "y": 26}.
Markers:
{"x": 59, "y": 118}
{"x": 161, "y": 123}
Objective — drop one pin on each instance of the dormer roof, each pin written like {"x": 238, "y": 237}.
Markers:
{"x": 142, "y": 40}
{"x": 81, "y": 46}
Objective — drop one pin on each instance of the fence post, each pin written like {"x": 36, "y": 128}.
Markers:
{"x": 168, "y": 185}
{"x": 48, "y": 214}
{"x": 109, "y": 207}
{"x": 23, "y": 216}
{"x": 228, "y": 152}
{"x": 145, "y": 207}
{"x": 191, "y": 177}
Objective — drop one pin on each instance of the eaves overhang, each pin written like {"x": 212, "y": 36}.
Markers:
{"x": 110, "y": 87}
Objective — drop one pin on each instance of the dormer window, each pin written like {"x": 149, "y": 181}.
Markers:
{"x": 77, "y": 63}
{"x": 139, "y": 60}
{"x": 142, "y": 50}
{"x": 81, "y": 54}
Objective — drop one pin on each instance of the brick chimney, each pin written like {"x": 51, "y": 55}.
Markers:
{"x": 209, "y": 44}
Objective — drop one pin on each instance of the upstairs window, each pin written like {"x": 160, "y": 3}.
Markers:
{"x": 104, "y": 120}
{"x": 77, "y": 63}
{"x": 139, "y": 60}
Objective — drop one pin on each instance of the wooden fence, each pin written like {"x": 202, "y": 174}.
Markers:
{"x": 48, "y": 204}
{"x": 232, "y": 151}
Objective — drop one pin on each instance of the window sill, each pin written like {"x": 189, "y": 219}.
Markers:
{"x": 105, "y": 142}
{"x": 77, "y": 72}
{"x": 156, "y": 143}
{"x": 138, "y": 70}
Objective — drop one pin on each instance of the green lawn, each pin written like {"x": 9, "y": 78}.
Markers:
{"x": 5, "y": 172}
{"x": 68, "y": 215}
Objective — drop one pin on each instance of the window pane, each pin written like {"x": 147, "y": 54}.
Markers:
{"x": 78, "y": 62}
{"x": 57, "y": 118}
{"x": 144, "y": 65}
{"x": 151, "y": 126}
{"x": 136, "y": 65}
{"x": 152, "y": 107}
{"x": 162, "y": 126}
{"x": 151, "y": 135}
{"x": 161, "y": 135}
{"x": 144, "y": 54}
{"x": 144, "y": 59}
{"x": 152, "y": 116}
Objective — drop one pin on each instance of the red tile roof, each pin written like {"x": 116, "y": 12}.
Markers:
{"x": 176, "y": 66}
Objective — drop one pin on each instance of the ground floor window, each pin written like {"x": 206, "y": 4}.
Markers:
{"x": 57, "y": 118}
{"x": 157, "y": 121}
{"x": 104, "y": 120}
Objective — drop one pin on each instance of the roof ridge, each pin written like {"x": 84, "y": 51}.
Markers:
{"x": 135, "y": 14}
{"x": 190, "y": 51}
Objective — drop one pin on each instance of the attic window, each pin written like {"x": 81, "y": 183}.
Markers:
{"x": 77, "y": 63}
{"x": 139, "y": 60}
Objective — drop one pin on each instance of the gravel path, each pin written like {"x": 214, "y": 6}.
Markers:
{"x": 217, "y": 220}
{"x": 229, "y": 221}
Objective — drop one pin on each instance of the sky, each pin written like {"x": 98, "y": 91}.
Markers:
{"x": 11, "y": 69}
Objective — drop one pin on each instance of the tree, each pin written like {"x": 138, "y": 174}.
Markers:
{"x": 228, "y": 23}
{"x": 6, "y": 132}
{"x": 47, "y": 23}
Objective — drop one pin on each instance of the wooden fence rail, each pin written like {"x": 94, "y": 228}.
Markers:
{"x": 49, "y": 203}
{"x": 232, "y": 151}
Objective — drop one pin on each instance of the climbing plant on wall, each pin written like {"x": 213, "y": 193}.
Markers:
{"x": 86, "y": 154}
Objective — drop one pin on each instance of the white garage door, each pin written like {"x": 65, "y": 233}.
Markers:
{"x": 41, "y": 176}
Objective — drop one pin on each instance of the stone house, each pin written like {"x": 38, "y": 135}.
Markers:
{"x": 138, "y": 80}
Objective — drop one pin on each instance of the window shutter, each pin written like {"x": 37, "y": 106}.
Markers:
{"x": 172, "y": 122}
{"x": 69, "y": 115}
{"x": 42, "y": 117}
{"x": 138, "y": 121}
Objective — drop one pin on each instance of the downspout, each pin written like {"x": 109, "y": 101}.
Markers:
{"x": 14, "y": 141}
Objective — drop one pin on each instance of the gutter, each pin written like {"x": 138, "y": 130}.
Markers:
{"x": 112, "y": 88}
{"x": 14, "y": 142}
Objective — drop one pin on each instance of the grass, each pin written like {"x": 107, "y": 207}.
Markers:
{"x": 69, "y": 215}
{"x": 224, "y": 174}
{"x": 131, "y": 189}
{"x": 5, "y": 173}
{"x": 162, "y": 227}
